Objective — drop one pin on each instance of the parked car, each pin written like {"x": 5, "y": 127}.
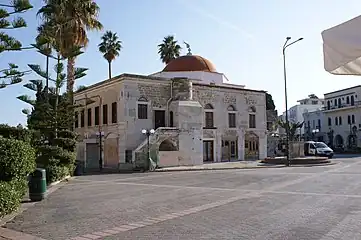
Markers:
{"x": 312, "y": 148}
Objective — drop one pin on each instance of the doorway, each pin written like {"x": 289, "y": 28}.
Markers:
{"x": 251, "y": 146}
{"x": 208, "y": 151}
{"x": 159, "y": 118}
{"x": 229, "y": 150}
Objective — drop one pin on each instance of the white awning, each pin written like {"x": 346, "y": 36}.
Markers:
{"x": 342, "y": 48}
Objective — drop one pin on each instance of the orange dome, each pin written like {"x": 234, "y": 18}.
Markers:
{"x": 190, "y": 63}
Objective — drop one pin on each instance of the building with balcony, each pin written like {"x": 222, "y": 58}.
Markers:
{"x": 197, "y": 117}
{"x": 342, "y": 112}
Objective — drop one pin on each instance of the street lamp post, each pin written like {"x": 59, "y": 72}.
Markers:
{"x": 148, "y": 133}
{"x": 314, "y": 132}
{"x": 285, "y": 80}
{"x": 100, "y": 136}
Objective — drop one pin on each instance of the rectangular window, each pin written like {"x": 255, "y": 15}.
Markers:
{"x": 96, "y": 114}
{"x": 82, "y": 118}
{"x": 252, "y": 121}
{"x": 128, "y": 156}
{"x": 329, "y": 122}
{"x": 232, "y": 120}
{"x": 142, "y": 111}
{"x": 209, "y": 120}
{"x": 114, "y": 112}
{"x": 353, "y": 119}
{"x": 349, "y": 119}
{"x": 319, "y": 124}
{"x": 76, "y": 120}
{"x": 234, "y": 149}
{"x": 105, "y": 114}
{"x": 89, "y": 117}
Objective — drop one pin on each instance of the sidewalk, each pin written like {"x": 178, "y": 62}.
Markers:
{"x": 218, "y": 166}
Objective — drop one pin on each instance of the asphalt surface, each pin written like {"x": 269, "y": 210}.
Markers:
{"x": 294, "y": 203}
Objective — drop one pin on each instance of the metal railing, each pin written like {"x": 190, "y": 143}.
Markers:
{"x": 333, "y": 107}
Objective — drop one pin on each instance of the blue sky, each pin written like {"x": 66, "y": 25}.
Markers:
{"x": 243, "y": 38}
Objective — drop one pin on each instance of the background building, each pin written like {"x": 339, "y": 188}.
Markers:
{"x": 295, "y": 113}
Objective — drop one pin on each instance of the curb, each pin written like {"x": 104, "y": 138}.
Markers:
{"x": 213, "y": 169}
{"x": 252, "y": 167}
{"x": 14, "y": 235}
{"x": 24, "y": 206}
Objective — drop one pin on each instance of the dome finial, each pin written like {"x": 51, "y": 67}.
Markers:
{"x": 188, "y": 48}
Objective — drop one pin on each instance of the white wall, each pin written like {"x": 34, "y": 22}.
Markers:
{"x": 205, "y": 77}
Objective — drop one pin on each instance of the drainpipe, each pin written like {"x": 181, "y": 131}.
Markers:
{"x": 169, "y": 100}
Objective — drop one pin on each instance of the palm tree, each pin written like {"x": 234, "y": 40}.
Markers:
{"x": 169, "y": 49}
{"x": 292, "y": 128}
{"x": 70, "y": 20}
{"x": 110, "y": 47}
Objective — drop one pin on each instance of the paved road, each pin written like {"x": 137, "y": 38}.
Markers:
{"x": 275, "y": 203}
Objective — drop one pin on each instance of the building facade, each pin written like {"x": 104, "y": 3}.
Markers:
{"x": 197, "y": 118}
{"x": 343, "y": 115}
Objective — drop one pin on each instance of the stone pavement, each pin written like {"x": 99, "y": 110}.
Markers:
{"x": 294, "y": 203}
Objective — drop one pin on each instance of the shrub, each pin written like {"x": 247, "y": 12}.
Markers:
{"x": 56, "y": 172}
{"x": 11, "y": 194}
{"x": 55, "y": 155}
{"x": 18, "y": 133}
{"x": 17, "y": 159}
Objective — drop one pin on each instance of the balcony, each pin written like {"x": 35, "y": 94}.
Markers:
{"x": 343, "y": 106}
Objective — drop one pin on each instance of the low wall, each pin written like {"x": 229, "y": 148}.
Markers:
{"x": 168, "y": 158}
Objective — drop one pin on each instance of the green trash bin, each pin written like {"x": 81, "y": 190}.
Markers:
{"x": 37, "y": 185}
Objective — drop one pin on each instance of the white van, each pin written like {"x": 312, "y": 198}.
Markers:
{"x": 312, "y": 148}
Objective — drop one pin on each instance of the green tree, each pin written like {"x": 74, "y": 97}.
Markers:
{"x": 169, "y": 49}
{"x": 69, "y": 21}
{"x": 270, "y": 105}
{"x": 11, "y": 75}
{"x": 110, "y": 48}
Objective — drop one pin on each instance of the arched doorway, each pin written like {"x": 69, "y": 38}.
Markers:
{"x": 167, "y": 145}
{"x": 338, "y": 141}
{"x": 251, "y": 146}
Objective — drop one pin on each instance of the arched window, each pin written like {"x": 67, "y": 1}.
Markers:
{"x": 340, "y": 120}
{"x": 142, "y": 112}
{"x": 352, "y": 100}
{"x": 231, "y": 116}
{"x": 252, "y": 117}
{"x": 209, "y": 122}
{"x": 347, "y": 100}
{"x": 328, "y": 105}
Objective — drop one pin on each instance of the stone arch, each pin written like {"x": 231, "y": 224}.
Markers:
{"x": 167, "y": 145}
{"x": 142, "y": 99}
{"x": 252, "y": 109}
{"x": 251, "y": 146}
{"x": 231, "y": 108}
{"x": 208, "y": 106}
